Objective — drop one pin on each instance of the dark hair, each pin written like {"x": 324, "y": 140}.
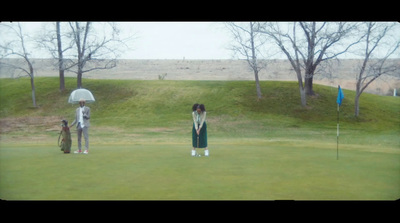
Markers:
{"x": 65, "y": 122}
{"x": 201, "y": 106}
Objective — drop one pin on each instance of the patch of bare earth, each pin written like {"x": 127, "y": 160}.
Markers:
{"x": 30, "y": 124}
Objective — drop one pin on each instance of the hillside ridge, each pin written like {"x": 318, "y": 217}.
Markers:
{"x": 340, "y": 72}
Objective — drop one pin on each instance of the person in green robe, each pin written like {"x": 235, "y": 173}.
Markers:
{"x": 199, "y": 130}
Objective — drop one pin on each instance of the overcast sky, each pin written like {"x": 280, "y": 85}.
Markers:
{"x": 169, "y": 40}
{"x": 191, "y": 40}
{"x": 166, "y": 40}
{"x": 175, "y": 40}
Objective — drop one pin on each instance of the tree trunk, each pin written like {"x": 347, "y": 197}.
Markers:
{"x": 303, "y": 96}
{"x": 357, "y": 98}
{"x": 60, "y": 58}
{"x": 254, "y": 61}
{"x": 357, "y": 104}
{"x": 32, "y": 76}
{"x": 62, "y": 81}
{"x": 309, "y": 84}
{"x": 257, "y": 85}
{"x": 33, "y": 91}
{"x": 308, "y": 78}
{"x": 79, "y": 77}
{"x": 301, "y": 88}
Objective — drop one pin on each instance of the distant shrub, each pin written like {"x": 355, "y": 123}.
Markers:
{"x": 162, "y": 76}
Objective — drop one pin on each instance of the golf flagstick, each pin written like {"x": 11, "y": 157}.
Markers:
{"x": 337, "y": 136}
{"x": 339, "y": 102}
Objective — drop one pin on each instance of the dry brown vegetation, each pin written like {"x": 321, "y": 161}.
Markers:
{"x": 338, "y": 72}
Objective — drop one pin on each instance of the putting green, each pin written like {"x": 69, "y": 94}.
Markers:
{"x": 262, "y": 171}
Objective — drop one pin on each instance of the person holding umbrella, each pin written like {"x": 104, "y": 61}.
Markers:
{"x": 82, "y": 117}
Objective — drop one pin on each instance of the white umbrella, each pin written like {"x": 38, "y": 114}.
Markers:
{"x": 79, "y": 94}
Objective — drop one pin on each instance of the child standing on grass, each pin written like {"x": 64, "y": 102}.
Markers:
{"x": 199, "y": 130}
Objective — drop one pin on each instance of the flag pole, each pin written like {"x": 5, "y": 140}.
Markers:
{"x": 337, "y": 136}
{"x": 339, "y": 102}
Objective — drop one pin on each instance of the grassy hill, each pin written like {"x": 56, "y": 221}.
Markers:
{"x": 162, "y": 108}
{"x": 140, "y": 142}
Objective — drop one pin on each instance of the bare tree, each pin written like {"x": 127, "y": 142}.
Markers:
{"x": 376, "y": 38}
{"x": 248, "y": 44}
{"x": 17, "y": 47}
{"x": 307, "y": 44}
{"x": 52, "y": 40}
{"x": 94, "y": 51}
{"x": 60, "y": 57}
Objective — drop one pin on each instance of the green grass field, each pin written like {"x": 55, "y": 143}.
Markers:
{"x": 140, "y": 137}
{"x": 257, "y": 171}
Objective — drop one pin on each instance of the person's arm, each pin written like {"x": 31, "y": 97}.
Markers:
{"x": 86, "y": 115}
{"x": 74, "y": 122}
{"x": 202, "y": 119}
{"x": 194, "y": 120}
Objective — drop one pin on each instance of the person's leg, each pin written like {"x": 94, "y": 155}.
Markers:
{"x": 205, "y": 140}
{"x": 193, "y": 151}
{"x": 86, "y": 136}
{"x": 194, "y": 140}
{"x": 79, "y": 133}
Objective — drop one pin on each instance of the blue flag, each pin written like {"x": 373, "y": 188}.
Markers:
{"x": 340, "y": 96}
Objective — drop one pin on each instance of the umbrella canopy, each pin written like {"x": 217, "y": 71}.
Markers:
{"x": 79, "y": 94}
